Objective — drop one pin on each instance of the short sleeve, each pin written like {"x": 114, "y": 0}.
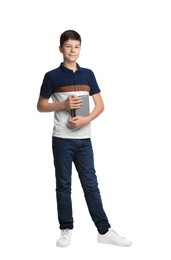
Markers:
{"x": 94, "y": 88}
{"x": 48, "y": 86}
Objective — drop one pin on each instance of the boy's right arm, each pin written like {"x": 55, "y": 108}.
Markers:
{"x": 72, "y": 102}
{"x": 43, "y": 105}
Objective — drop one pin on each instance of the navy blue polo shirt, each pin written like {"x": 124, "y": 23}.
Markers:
{"x": 59, "y": 84}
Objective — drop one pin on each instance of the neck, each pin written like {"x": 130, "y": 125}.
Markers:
{"x": 70, "y": 65}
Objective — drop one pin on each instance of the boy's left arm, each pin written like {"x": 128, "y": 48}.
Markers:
{"x": 98, "y": 107}
{"x": 80, "y": 121}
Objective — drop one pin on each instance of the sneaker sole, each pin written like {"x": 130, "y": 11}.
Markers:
{"x": 109, "y": 243}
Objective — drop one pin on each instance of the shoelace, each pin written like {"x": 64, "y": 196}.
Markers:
{"x": 117, "y": 233}
{"x": 65, "y": 232}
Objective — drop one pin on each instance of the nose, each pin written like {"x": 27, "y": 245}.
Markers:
{"x": 72, "y": 49}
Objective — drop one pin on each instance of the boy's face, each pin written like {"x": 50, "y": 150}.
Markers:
{"x": 70, "y": 50}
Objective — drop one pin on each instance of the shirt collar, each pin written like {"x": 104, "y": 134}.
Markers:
{"x": 65, "y": 69}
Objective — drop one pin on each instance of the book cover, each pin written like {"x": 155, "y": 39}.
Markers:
{"x": 84, "y": 110}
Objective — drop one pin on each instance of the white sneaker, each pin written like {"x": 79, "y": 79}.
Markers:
{"x": 65, "y": 238}
{"x": 111, "y": 237}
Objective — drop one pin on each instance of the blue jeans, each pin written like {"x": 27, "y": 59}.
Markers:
{"x": 79, "y": 152}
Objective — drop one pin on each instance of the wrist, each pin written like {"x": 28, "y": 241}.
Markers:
{"x": 62, "y": 105}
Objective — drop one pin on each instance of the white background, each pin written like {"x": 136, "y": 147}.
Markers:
{"x": 127, "y": 45}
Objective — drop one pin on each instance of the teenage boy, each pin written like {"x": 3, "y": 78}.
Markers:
{"x": 71, "y": 141}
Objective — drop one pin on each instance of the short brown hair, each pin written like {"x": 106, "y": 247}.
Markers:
{"x": 69, "y": 34}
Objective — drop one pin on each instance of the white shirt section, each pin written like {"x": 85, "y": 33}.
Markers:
{"x": 61, "y": 119}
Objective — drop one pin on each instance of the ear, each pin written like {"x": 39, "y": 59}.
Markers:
{"x": 60, "y": 49}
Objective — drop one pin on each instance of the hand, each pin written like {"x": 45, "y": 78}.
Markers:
{"x": 73, "y": 102}
{"x": 78, "y": 121}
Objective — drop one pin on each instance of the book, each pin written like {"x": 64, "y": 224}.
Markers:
{"x": 84, "y": 110}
